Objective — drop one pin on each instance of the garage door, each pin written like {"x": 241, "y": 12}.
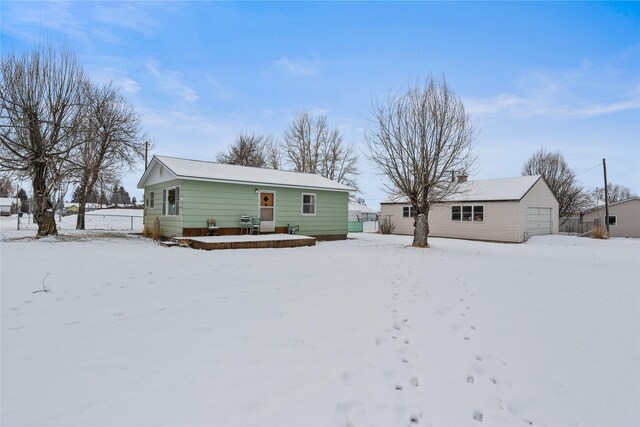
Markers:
{"x": 538, "y": 221}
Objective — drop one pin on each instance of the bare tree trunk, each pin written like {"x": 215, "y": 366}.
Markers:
{"x": 44, "y": 212}
{"x": 421, "y": 233}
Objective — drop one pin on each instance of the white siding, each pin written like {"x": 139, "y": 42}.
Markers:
{"x": 394, "y": 213}
{"x": 504, "y": 220}
{"x": 500, "y": 222}
{"x": 539, "y": 196}
{"x": 627, "y": 217}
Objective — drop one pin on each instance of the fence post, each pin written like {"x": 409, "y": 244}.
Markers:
{"x": 131, "y": 223}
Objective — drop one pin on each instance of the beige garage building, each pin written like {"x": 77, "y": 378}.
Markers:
{"x": 499, "y": 210}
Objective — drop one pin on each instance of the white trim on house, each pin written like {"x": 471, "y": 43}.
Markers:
{"x": 267, "y": 226}
{"x": 165, "y": 201}
{"x": 315, "y": 203}
{"x": 473, "y": 212}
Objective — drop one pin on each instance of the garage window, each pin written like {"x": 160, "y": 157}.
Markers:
{"x": 407, "y": 211}
{"x": 467, "y": 213}
{"x": 613, "y": 220}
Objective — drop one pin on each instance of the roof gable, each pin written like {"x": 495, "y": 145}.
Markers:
{"x": 164, "y": 168}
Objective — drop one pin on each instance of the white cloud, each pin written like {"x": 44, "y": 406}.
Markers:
{"x": 131, "y": 16}
{"x": 171, "y": 81}
{"x": 128, "y": 85}
{"x": 582, "y": 92}
{"x": 299, "y": 66}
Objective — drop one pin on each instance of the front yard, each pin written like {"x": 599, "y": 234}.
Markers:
{"x": 361, "y": 332}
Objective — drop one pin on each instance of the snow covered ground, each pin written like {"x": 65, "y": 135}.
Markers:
{"x": 361, "y": 332}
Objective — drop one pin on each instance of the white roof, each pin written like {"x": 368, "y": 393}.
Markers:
{"x": 210, "y": 171}
{"x": 7, "y": 201}
{"x": 353, "y": 206}
{"x": 484, "y": 190}
{"x": 613, "y": 204}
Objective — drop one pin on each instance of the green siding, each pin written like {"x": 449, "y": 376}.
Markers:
{"x": 227, "y": 202}
{"x": 355, "y": 227}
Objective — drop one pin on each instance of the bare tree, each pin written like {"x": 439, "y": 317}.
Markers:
{"x": 40, "y": 105}
{"x": 273, "y": 154}
{"x": 250, "y": 149}
{"x": 615, "y": 192}
{"x": 560, "y": 178}
{"x": 416, "y": 139}
{"x": 6, "y": 188}
{"x": 112, "y": 141}
{"x": 311, "y": 146}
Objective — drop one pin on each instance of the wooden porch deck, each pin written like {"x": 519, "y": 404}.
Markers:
{"x": 209, "y": 243}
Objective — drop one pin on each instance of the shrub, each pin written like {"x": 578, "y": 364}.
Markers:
{"x": 599, "y": 233}
{"x": 156, "y": 229}
{"x": 386, "y": 226}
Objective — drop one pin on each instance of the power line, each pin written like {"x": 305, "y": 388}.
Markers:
{"x": 596, "y": 166}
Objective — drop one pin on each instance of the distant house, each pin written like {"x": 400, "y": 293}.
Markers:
{"x": 6, "y": 205}
{"x": 361, "y": 218}
{"x": 184, "y": 195}
{"x": 500, "y": 210}
{"x": 72, "y": 208}
{"x": 360, "y": 212}
{"x": 624, "y": 217}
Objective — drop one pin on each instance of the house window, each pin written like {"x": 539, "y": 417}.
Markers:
{"x": 613, "y": 220}
{"x": 170, "y": 201}
{"x": 478, "y": 213}
{"x": 308, "y": 204}
{"x": 467, "y": 213}
{"x": 407, "y": 211}
{"x": 150, "y": 201}
{"x": 455, "y": 213}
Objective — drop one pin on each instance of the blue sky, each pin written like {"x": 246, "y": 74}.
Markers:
{"x": 563, "y": 76}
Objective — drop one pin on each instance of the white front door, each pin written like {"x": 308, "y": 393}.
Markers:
{"x": 267, "y": 204}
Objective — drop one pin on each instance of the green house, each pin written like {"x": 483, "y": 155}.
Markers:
{"x": 183, "y": 196}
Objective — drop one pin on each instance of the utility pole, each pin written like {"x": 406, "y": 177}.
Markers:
{"x": 146, "y": 154}
{"x": 606, "y": 196}
{"x": 17, "y": 207}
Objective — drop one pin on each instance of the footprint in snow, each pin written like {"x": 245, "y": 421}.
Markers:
{"x": 472, "y": 327}
{"x": 467, "y": 338}
{"x": 477, "y": 415}
{"x": 470, "y": 379}
{"x": 119, "y": 314}
{"x": 415, "y": 418}
{"x": 414, "y": 381}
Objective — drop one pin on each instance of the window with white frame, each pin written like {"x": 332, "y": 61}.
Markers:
{"x": 407, "y": 211}
{"x": 150, "y": 200}
{"x": 170, "y": 201}
{"x": 308, "y": 204}
{"x": 467, "y": 213}
{"x": 613, "y": 220}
